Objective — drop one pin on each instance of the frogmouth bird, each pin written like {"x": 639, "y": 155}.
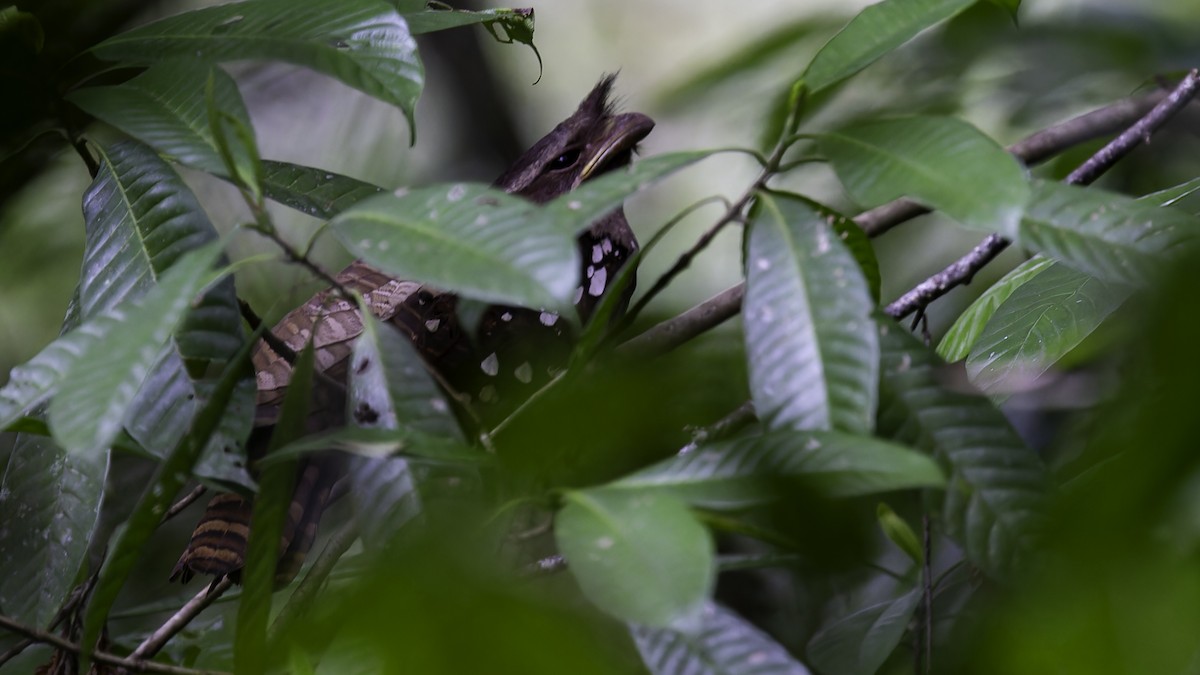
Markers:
{"x": 514, "y": 349}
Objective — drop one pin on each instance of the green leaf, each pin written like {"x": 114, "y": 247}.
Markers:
{"x": 877, "y": 30}
{"x": 405, "y": 442}
{"x": 51, "y": 503}
{"x": 164, "y": 108}
{"x": 576, "y": 210}
{"x": 465, "y": 238}
{"x": 1037, "y": 325}
{"x": 36, "y": 380}
{"x": 1109, "y": 236}
{"x": 431, "y": 20}
{"x": 391, "y": 387}
{"x": 271, "y": 508}
{"x": 853, "y": 237}
{"x": 105, "y": 377}
{"x": 942, "y": 162}
{"x": 996, "y": 497}
{"x": 316, "y": 192}
{"x": 363, "y": 43}
{"x": 126, "y": 550}
{"x": 963, "y": 334}
{"x": 899, "y": 533}
{"x": 392, "y": 392}
{"x": 758, "y": 467}
{"x": 858, "y": 644}
{"x": 140, "y": 218}
{"x": 1172, "y": 195}
{"x": 725, "y": 644}
{"x": 639, "y": 556}
{"x": 814, "y": 363}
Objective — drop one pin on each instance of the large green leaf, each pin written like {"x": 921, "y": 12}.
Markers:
{"x": 140, "y": 217}
{"x": 363, "y": 43}
{"x": 876, "y": 30}
{"x": 762, "y": 465}
{"x": 466, "y": 238}
{"x": 1109, "y": 236}
{"x": 391, "y": 389}
{"x": 814, "y": 362}
{"x": 859, "y": 643}
{"x": 316, "y": 192}
{"x": 165, "y": 108}
{"x": 640, "y": 556}
{"x": 107, "y": 374}
{"x": 51, "y": 501}
{"x": 962, "y": 335}
{"x": 1038, "y": 324}
{"x": 725, "y": 644}
{"x": 995, "y": 500}
{"x": 942, "y": 162}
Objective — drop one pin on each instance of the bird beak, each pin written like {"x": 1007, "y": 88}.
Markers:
{"x": 623, "y": 133}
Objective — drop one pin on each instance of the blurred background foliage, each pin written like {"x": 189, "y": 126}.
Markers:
{"x": 711, "y": 74}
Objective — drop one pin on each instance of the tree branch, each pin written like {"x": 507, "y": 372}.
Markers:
{"x": 963, "y": 270}
{"x": 673, "y": 332}
{"x": 136, "y": 665}
{"x": 178, "y": 621}
{"x": 184, "y": 502}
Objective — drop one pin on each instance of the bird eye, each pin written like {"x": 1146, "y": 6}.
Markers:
{"x": 565, "y": 160}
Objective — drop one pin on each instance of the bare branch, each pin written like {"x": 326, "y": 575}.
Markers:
{"x": 959, "y": 272}
{"x": 675, "y": 331}
{"x": 136, "y": 665}
{"x": 178, "y": 621}
{"x": 185, "y": 502}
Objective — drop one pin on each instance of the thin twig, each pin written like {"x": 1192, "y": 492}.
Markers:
{"x": 1036, "y": 148}
{"x": 268, "y": 231}
{"x": 178, "y": 621}
{"x": 136, "y": 665}
{"x": 732, "y": 213}
{"x": 185, "y": 502}
{"x": 675, "y": 331}
{"x": 741, "y": 417}
{"x": 16, "y": 650}
{"x": 963, "y": 270}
